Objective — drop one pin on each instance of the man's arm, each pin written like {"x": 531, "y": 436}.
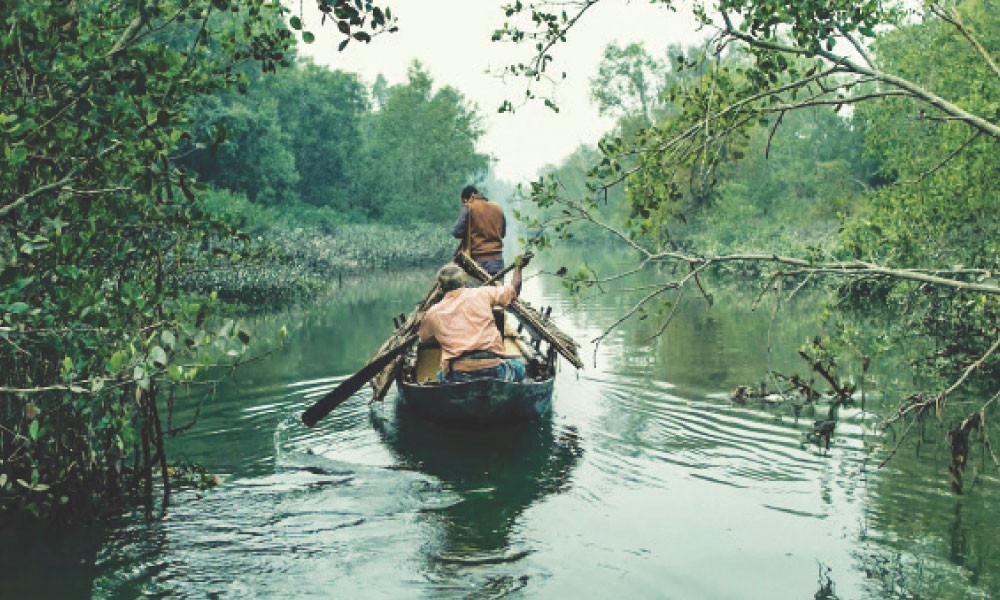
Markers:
{"x": 503, "y": 295}
{"x": 515, "y": 281}
{"x": 425, "y": 332}
{"x": 462, "y": 224}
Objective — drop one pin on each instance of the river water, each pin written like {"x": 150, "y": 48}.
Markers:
{"x": 645, "y": 482}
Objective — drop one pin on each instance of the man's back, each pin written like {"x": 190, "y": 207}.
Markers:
{"x": 486, "y": 229}
{"x": 463, "y": 320}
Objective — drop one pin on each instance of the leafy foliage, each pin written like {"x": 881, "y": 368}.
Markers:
{"x": 903, "y": 225}
{"x": 95, "y": 224}
{"x": 283, "y": 147}
{"x": 419, "y": 150}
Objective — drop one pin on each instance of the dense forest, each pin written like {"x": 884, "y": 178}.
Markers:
{"x": 801, "y": 147}
{"x": 328, "y": 175}
{"x": 141, "y": 144}
{"x": 310, "y": 137}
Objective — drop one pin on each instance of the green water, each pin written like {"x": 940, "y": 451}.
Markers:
{"x": 645, "y": 482}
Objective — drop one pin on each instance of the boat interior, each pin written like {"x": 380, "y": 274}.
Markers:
{"x": 422, "y": 364}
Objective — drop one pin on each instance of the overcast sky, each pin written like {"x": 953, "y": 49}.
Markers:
{"x": 452, "y": 39}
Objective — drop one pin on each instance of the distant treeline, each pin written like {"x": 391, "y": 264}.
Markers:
{"x": 774, "y": 187}
{"x": 308, "y": 135}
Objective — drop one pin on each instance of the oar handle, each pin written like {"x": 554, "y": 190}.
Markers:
{"x": 506, "y": 269}
{"x": 346, "y": 389}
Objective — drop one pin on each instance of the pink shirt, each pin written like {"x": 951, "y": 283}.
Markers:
{"x": 463, "y": 320}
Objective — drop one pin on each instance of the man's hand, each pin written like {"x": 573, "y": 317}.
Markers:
{"x": 522, "y": 260}
{"x": 519, "y": 263}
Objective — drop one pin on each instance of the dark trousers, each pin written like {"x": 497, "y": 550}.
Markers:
{"x": 493, "y": 266}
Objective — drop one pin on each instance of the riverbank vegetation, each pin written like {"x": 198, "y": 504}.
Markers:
{"x": 147, "y": 144}
{"x": 808, "y": 144}
{"x": 329, "y": 188}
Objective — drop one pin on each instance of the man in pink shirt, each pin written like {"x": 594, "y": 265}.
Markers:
{"x": 462, "y": 323}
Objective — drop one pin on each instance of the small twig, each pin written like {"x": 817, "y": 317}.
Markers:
{"x": 767, "y": 148}
{"x": 948, "y": 158}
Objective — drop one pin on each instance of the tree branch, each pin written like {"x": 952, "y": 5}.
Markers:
{"x": 947, "y": 159}
{"x": 915, "y": 90}
{"x": 951, "y": 15}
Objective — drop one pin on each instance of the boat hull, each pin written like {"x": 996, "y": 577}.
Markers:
{"x": 479, "y": 404}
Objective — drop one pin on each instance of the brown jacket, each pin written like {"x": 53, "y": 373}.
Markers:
{"x": 482, "y": 223}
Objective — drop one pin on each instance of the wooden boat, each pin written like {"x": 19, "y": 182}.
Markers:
{"x": 485, "y": 403}
{"x": 479, "y": 404}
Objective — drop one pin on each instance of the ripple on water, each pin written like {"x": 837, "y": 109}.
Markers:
{"x": 705, "y": 438}
{"x": 322, "y": 524}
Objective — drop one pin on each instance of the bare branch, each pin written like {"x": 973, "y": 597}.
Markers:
{"x": 774, "y": 129}
{"x": 950, "y": 15}
{"x": 635, "y": 308}
{"x": 921, "y": 403}
{"x": 915, "y": 90}
{"x": 947, "y": 159}
{"x": 869, "y": 59}
{"x": 837, "y": 101}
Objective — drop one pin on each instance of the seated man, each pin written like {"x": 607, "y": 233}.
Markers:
{"x": 462, "y": 323}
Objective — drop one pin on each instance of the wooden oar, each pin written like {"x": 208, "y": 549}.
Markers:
{"x": 346, "y": 389}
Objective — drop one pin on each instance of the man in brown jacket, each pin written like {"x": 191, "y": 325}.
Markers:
{"x": 482, "y": 227}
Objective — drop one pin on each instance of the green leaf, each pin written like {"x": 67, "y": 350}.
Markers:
{"x": 295, "y": 22}
{"x": 308, "y": 37}
{"x": 116, "y": 361}
{"x": 17, "y": 156}
{"x": 67, "y": 365}
{"x": 168, "y": 339}
{"x": 17, "y": 308}
{"x": 158, "y": 357}
{"x": 33, "y": 430}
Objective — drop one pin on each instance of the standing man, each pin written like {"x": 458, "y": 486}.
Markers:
{"x": 462, "y": 322}
{"x": 481, "y": 226}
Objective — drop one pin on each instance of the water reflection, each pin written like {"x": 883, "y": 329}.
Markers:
{"x": 497, "y": 475}
{"x": 660, "y": 489}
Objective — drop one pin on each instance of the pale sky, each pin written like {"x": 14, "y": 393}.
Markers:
{"x": 452, "y": 39}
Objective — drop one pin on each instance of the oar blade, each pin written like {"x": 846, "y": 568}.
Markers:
{"x": 352, "y": 384}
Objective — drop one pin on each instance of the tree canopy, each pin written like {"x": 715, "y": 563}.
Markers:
{"x": 96, "y": 221}
{"x": 884, "y": 116}
{"x": 363, "y": 153}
